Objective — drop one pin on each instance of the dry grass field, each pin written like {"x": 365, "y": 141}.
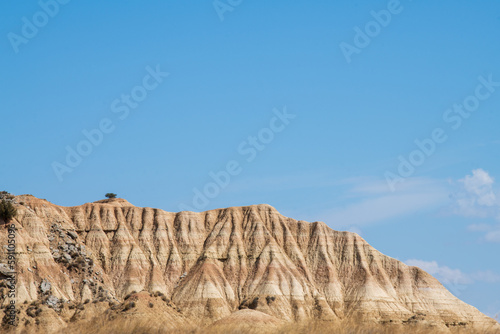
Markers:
{"x": 137, "y": 327}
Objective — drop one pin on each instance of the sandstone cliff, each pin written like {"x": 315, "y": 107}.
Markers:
{"x": 80, "y": 262}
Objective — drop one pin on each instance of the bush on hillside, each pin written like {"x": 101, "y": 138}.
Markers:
{"x": 7, "y": 210}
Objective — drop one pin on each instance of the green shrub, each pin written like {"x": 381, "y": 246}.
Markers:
{"x": 110, "y": 195}
{"x": 7, "y": 210}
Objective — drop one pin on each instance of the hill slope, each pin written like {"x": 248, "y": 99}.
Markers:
{"x": 206, "y": 266}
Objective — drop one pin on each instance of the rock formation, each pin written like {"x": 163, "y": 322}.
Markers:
{"x": 109, "y": 257}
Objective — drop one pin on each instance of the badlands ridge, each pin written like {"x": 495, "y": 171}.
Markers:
{"x": 110, "y": 259}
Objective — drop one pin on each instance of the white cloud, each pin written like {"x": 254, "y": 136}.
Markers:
{"x": 477, "y": 197}
{"x": 449, "y": 276}
{"x": 486, "y": 276}
{"x": 355, "y": 229}
{"x": 480, "y": 184}
{"x": 376, "y": 203}
{"x": 356, "y": 202}
{"x": 479, "y": 227}
{"x": 376, "y": 187}
{"x": 295, "y": 181}
{"x": 382, "y": 208}
{"x": 444, "y": 274}
{"x": 493, "y": 236}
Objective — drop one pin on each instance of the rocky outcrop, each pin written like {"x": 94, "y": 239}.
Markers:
{"x": 207, "y": 266}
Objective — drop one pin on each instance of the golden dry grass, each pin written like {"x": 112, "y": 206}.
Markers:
{"x": 138, "y": 327}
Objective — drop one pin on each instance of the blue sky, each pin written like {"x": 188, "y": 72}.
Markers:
{"x": 307, "y": 107}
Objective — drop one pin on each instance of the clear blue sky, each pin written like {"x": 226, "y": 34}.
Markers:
{"x": 231, "y": 70}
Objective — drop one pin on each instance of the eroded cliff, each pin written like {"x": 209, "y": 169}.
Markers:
{"x": 206, "y": 266}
